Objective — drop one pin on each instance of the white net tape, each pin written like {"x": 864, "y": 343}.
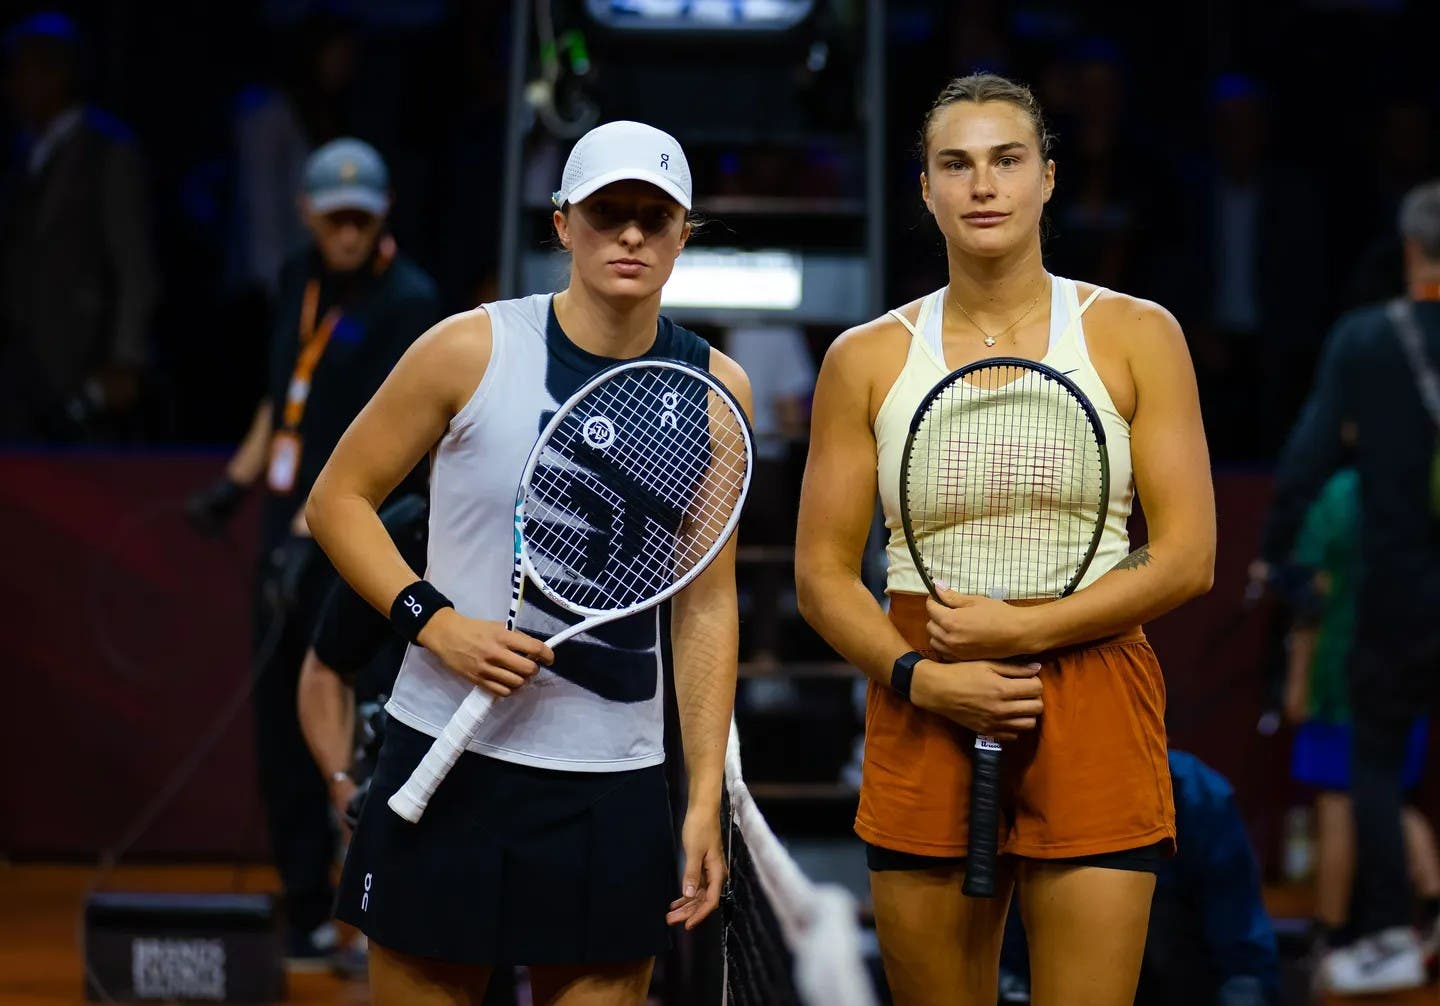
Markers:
{"x": 819, "y": 922}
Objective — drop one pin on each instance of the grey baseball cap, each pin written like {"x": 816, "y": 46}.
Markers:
{"x": 1420, "y": 217}
{"x": 347, "y": 174}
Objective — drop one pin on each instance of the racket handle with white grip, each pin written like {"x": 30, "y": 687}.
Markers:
{"x": 410, "y": 800}
{"x": 984, "y": 819}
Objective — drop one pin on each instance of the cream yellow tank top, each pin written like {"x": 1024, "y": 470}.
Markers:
{"x": 925, "y": 366}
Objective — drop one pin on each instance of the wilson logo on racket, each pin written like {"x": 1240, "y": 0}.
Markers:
{"x": 599, "y": 432}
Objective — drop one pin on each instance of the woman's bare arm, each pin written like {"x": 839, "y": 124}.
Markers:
{"x": 399, "y": 426}
{"x": 705, "y": 633}
{"x": 248, "y": 461}
{"x": 837, "y": 503}
{"x": 406, "y": 418}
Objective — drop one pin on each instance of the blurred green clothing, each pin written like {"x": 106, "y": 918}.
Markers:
{"x": 1329, "y": 543}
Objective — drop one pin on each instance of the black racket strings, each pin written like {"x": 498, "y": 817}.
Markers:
{"x": 1005, "y": 495}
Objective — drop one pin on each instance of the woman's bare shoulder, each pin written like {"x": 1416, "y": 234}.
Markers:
{"x": 873, "y": 342}
{"x": 1127, "y": 326}
{"x": 465, "y": 334}
{"x": 453, "y": 355}
{"x": 1127, "y": 313}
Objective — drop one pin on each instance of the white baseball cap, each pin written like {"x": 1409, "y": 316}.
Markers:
{"x": 623, "y": 151}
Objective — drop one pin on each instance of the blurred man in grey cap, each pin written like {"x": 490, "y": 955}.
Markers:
{"x": 1381, "y": 372}
{"x": 349, "y": 306}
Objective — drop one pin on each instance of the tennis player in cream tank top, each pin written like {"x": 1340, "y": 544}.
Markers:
{"x": 925, "y": 366}
{"x": 1070, "y": 687}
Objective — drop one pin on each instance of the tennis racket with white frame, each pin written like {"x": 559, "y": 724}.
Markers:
{"x": 634, "y": 486}
{"x": 1004, "y": 491}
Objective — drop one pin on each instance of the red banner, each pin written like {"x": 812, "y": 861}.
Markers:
{"x": 125, "y": 634}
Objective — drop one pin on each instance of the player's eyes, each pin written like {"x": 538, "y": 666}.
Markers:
{"x": 607, "y": 215}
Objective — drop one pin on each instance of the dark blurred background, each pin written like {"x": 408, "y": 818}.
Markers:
{"x": 1327, "y": 107}
{"x": 1239, "y": 162}
{"x": 1305, "y": 119}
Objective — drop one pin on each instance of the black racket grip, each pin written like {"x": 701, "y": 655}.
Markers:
{"x": 984, "y": 819}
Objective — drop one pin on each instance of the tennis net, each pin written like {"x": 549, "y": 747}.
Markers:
{"x": 787, "y": 941}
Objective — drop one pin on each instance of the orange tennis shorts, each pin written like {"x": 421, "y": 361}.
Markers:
{"x": 1093, "y": 777}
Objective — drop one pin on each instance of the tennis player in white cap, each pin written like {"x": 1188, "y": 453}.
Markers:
{"x": 550, "y": 844}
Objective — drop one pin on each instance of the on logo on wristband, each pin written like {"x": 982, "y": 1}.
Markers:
{"x": 414, "y": 606}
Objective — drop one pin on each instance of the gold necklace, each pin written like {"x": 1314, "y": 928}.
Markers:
{"x": 990, "y": 339}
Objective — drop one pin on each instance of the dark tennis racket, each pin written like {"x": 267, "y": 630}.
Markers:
{"x": 634, "y": 486}
{"x": 1004, "y": 488}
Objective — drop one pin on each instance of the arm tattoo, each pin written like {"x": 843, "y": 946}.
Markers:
{"x": 1136, "y": 559}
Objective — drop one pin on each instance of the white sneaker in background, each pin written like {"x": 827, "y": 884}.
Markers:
{"x": 311, "y": 951}
{"x": 1391, "y": 960}
{"x": 352, "y": 961}
{"x": 1430, "y": 948}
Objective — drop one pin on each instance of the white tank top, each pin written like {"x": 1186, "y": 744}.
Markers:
{"x": 925, "y": 366}
{"x": 600, "y": 707}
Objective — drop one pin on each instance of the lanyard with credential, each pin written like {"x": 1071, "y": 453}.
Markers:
{"x": 285, "y": 444}
{"x": 312, "y": 346}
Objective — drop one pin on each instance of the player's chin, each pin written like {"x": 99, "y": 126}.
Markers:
{"x": 990, "y": 243}
{"x": 626, "y": 288}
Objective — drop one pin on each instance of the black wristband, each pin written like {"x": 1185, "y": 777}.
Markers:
{"x": 227, "y": 495}
{"x": 414, "y": 606}
{"x": 903, "y": 672}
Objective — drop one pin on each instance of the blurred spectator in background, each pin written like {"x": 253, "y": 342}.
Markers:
{"x": 1250, "y": 288}
{"x": 1378, "y": 371}
{"x": 975, "y": 35}
{"x": 349, "y": 307}
{"x": 1317, "y": 700}
{"x": 78, "y": 280}
{"x": 353, "y": 660}
{"x": 1404, "y": 158}
{"x": 1111, "y": 186}
{"x": 347, "y": 675}
{"x": 783, "y": 380}
{"x": 1211, "y": 942}
{"x": 276, "y": 128}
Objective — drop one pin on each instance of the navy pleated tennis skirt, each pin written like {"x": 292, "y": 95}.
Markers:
{"x": 513, "y": 864}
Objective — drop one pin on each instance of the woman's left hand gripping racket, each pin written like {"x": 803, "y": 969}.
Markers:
{"x": 634, "y": 486}
{"x": 1004, "y": 489}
